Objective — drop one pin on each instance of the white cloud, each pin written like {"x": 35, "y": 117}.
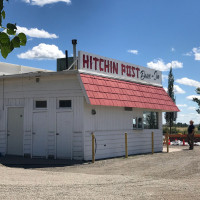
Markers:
{"x": 178, "y": 90}
{"x": 188, "y": 54}
{"x": 182, "y": 105}
{"x": 161, "y": 66}
{"x": 189, "y": 82}
{"x": 193, "y": 96}
{"x": 196, "y": 52}
{"x": 44, "y": 2}
{"x": 34, "y": 32}
{"x": 185, "y": 118}
{"x": 42, "y": 52}
{"x": 172, "y": 49}
{"x": 135, "y": 52}
{"x": 192, "y": 108}
{"x": 164, "y": 77}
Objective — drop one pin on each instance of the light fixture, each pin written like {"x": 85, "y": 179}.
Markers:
{"x": 93, "y": 112}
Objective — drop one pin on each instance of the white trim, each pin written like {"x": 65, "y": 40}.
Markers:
{"x": 83, "y": 89}
{"x": 63, "y": 109}
{"x": 40, "y": 109}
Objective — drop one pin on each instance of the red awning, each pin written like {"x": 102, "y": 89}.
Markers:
{"x": 112, "y": 92}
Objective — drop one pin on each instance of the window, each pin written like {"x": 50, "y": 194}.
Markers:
{"x": 40, "y": 104}
{"x": 128, "y": 108}
{"x": 150, "y": 120}
{"x": 140, "y": 122}
{"x": 137, "y": 123}
{"x": 65, "y": 103}
{"x": 134, "y": 122}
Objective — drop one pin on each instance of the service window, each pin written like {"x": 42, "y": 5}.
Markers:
{"x": 135, "y": 123}
{"x": 40, "y": 104}
{"x": 140, "y": 122}
{"x": 65, "y": 104}
{"x": 150, "y": 120}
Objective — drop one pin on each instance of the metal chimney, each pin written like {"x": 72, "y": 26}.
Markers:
{"x": 66, "y": 57}
{"x": 74, "y": 42}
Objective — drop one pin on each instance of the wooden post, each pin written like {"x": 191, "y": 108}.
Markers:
{"x": 152, "y": 140}
{"x": 126, "y": 146}
{"x": 167, "y": 141}
{"x": 93, "y": 148}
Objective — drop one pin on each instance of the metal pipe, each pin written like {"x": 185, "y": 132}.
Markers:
{"x": 74, "y": 42}
{"x": 93, "y": 148}
{"x": 126, "y": 146}
{"x": 3, "y": 94}
{"x": 167, "y": 141}
{"x": 152, "y": 138}
{"x": 66, "y": 57}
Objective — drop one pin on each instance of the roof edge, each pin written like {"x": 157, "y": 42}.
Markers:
{"x": 39, "y": 73}
{"x": 117, "y": 78}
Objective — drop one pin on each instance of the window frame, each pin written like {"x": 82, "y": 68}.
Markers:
{"x": 64, "y": 108}
{"x": 137, "y": 123}
{"x": 148, "y": 126}
{"x": 40, "y": 108}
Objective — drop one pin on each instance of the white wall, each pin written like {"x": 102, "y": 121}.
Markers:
{"x": 21, "y": 92}
{"x": 109, "y": 125}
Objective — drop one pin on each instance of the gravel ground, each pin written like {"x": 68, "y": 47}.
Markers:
{"x": 174, "y": 175}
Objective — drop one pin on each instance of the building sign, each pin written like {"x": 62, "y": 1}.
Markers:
{"x": 99, "y": 65}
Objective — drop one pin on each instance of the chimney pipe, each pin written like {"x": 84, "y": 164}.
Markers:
{"x": 74, "y": 42}
{"x": 66, "y": 57}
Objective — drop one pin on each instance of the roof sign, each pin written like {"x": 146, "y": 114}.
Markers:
{"x": 107, "y": 67}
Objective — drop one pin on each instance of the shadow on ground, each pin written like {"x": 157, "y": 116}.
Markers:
{"x": 27, "y": 163}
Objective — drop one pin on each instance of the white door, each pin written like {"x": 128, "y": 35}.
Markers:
{"x": 39, "y": 134}
{"x": 15, "y": 117}
{"x": 64, "y": 134}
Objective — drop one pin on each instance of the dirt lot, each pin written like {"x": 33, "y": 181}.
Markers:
{"x": 175, "y": 175}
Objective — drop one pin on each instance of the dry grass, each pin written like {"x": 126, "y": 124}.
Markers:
{"x": 183, "y": 130}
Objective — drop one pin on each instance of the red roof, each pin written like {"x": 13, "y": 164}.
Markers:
{"x": 112, "y": 92}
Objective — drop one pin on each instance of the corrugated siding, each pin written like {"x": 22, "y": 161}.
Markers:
{"x": 77, "y": 147}
{"x": 112, "y": 143}
{"x": 2, "y": 131}
{"x": 28, "y": 109}
{"x": 109, "y": 125}
{"x": 51, "y": 138}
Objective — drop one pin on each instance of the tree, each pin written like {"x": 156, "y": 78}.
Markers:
{"x": 151, "y": 120}
{"x": 197, "y": 100}
{"x": 8, "y": 37}
{"x": 171, "y": 116}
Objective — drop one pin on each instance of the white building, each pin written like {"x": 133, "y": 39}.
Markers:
{"x": 8, "y": 69}
{"x": 52, "y": 114}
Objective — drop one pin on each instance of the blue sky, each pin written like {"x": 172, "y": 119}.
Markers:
{"x": 152, "y": 33}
